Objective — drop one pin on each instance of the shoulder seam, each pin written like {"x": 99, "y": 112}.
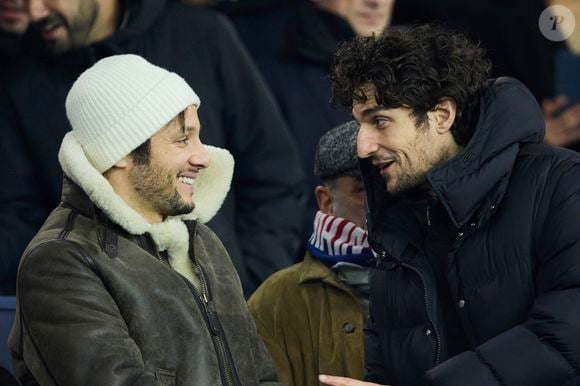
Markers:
{"x": 88, "y": 260}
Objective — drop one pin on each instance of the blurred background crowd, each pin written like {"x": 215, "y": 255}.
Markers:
{"x": 260, "y": 68}
{"x": 269, "y": 99}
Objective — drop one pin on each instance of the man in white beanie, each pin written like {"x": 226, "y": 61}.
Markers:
{"x": 260, "y": 220}
{"x": 123, "y": 284}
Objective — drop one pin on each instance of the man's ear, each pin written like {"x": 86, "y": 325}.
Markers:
{"x": 124, "y": 162}
{"x": 324, "y": 199}
{"x": 119, "y": 168}
{"x": 444, "y": 115}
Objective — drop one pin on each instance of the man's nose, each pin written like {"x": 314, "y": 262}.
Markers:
{"x": 37, "y": 10}
{"x": 200, "y": 156}
{"x": 366, "y": 143}
{"x": 374, "y": 4}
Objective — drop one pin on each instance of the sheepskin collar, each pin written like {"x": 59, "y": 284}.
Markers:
{"x": 211, "y": 188}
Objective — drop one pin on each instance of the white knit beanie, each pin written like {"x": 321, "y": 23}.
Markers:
{"x": 120, "y": 102}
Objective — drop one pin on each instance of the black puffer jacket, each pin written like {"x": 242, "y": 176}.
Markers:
{"x": 263, "y": 210}
{"x": 511, "y": 273}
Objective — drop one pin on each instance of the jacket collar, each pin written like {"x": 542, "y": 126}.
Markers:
{"x": 211, "y": 187}
{"x": 73, "y": 195}
{"x": 509, "y": 117}
{"x": 312, "y": 270}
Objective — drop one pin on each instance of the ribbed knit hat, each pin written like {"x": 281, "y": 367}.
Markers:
{"x": 336, "y": 152}
{"x": 120, "y": 102}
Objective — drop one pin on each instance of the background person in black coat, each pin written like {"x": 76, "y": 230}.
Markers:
{"x": 293, "y": 43}
{"x": 509, "y": 32}
{"x": 474, "y": 221}
{"x": 260, "y": 221}
{"x": 13, "y": 23}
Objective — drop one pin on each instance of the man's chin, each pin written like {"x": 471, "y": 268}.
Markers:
{"x": 396, "y": 189}
{"x": 59, "y": 44}
{"x": 391, "y": 187}
{"x": 393, "y": 192}
{"x": 56, "y": 47}
{"x": 175, "y": 207}
{"x": 185, "y": 209}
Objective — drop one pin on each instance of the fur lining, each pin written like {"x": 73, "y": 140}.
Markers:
{"x": 210, "y": 188}
{"x": 171, "y": 235}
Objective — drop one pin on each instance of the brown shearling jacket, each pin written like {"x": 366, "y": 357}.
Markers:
{"x": 97, "y": 306}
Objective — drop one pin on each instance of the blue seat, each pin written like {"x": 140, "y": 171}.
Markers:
{"x": 7, "y": 312}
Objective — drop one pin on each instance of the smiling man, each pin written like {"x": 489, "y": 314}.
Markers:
{"x": 73, "y": 24}
{"x": 474, "y": 221}
{"x": 123, "y": 284}
{"x": 66, "y": 37}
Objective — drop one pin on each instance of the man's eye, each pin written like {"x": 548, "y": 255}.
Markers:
{"x": 184, "y": 141}
{"x": 380, "y": 122}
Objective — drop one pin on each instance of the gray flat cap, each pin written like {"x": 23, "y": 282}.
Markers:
{"x": 336, "y": 152}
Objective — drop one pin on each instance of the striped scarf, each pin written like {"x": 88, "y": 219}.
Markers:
{"x": 336, "y": 239}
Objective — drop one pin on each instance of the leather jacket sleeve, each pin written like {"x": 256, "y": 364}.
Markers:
{"x": 72, "y": 331}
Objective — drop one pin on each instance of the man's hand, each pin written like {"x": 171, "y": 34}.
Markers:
{"x": 562, "y": 128}
{"x": 341, "y": 381}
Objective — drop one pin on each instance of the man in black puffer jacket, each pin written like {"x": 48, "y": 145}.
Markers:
{"x": 475, "y": 223}
{"x": 259, "y": 222}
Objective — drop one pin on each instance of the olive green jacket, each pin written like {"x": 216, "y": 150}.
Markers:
{"x": 311, "y": 324}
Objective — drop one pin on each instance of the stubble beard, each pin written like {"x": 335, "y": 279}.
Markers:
{"x": 413, "y": 174}
{"x": 157, "y": 189}
{"x": 78, "y": 30}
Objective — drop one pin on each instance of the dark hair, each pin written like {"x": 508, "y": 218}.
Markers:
{"x": 141, "y": 154}
{"x": 414, "y": 67}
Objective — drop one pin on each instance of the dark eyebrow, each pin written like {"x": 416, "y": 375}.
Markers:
{"x": 181, "y": 121}
{"x": 189, "y": 129}
{"x": 373, "y": 110}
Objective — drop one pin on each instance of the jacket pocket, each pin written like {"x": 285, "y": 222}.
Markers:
{"x": 165, "y": 377}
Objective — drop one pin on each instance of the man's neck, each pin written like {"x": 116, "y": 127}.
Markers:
{"x": 108, "y": 20}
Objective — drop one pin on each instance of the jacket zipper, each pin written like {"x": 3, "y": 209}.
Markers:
{"x": 201, "y": 297}
{"x": 215, "y": 328}
{"x": 426, "y": 299}
{"x": 429, "y": 313}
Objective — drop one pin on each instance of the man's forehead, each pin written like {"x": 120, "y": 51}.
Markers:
{"x": 368, "y": 107}
{"x": 368, "y": 101}
{"x": 186, "y": 120}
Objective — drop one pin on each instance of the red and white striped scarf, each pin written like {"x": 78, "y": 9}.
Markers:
{"x": 337, "y": 239}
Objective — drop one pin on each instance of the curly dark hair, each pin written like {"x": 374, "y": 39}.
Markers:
{"x": 414, "y": 67}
